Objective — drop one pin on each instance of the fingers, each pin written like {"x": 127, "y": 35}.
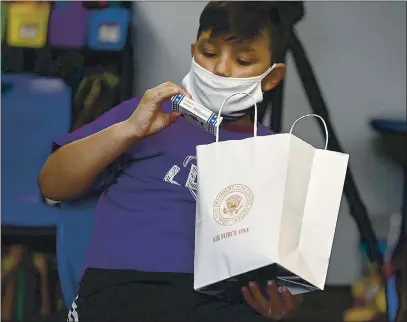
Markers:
{"x": 164, "y": 92}
{"x": 288, "y": 299}
{"x": 165, "y": 120}
{"x": 276, "y": 303}
{"x": 277, "y": 306}
{"x": 248, "y": 297}
{"x": 258, "y": 297}
{"x": 270, "y": 308}
{"x": 172, "y": 117}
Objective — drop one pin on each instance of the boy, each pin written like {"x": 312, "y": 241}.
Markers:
{"x": 140, "y": 261}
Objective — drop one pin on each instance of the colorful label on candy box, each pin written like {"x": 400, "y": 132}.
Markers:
{"x": 196, "y": 113}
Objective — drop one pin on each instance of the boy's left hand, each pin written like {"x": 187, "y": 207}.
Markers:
{"x": 277, "y": 306}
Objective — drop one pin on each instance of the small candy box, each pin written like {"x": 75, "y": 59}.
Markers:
{"x": 196, "y": 113}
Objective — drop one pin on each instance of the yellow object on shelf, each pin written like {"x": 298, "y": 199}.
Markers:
{"x": 27, "y": 24}
{"x": 360, "y": 314}
{"x": 371, "y": 299}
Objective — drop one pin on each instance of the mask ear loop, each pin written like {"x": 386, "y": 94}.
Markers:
{"x": 255, "y": 113}
{"x": 323, "y": 122}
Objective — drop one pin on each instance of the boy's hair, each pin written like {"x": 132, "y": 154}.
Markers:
{"x": 244, "y": 20}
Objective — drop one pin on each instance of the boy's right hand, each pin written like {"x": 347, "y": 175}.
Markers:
{"x": 149, "y": 118}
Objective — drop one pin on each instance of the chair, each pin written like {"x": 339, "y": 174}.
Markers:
{"x": 35, "y": 110}
{"x": 73, "y": 236}
{"x": 34, "y": 113}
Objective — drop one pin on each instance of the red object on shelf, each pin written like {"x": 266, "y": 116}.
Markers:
{"x": 95, "y": 4}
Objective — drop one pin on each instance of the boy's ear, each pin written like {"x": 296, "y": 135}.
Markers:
{"x": 193, "y": 49}
{"x": 274, "y": 77}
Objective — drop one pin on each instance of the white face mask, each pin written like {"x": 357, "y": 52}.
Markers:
{"x": 211, "y": 90}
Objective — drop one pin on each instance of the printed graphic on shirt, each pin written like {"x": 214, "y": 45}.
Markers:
{"x": 73, "y": 315}
{"x": 191, "y": 183}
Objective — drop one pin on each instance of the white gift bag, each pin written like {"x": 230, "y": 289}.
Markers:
{"x": 266, "y": 200}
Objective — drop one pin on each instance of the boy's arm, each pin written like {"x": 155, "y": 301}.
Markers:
{"x": 70, "y": 171}
{"x": 83, "y": 154}
{"x": 63, "y": 169}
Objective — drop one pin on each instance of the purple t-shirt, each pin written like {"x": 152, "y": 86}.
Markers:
{"x": 145, "y": 219}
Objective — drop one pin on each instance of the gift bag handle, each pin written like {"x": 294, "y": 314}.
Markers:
{"x": 255, "y": 113}
{"x": 323, "y": 122}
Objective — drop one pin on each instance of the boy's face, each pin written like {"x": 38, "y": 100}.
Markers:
{"x": 237, "y": 59}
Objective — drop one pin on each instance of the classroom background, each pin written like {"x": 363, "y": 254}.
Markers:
{"x": 63, "y": 62}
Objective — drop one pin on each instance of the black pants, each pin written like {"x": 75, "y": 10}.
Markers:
{"x": 134, "y": 296}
